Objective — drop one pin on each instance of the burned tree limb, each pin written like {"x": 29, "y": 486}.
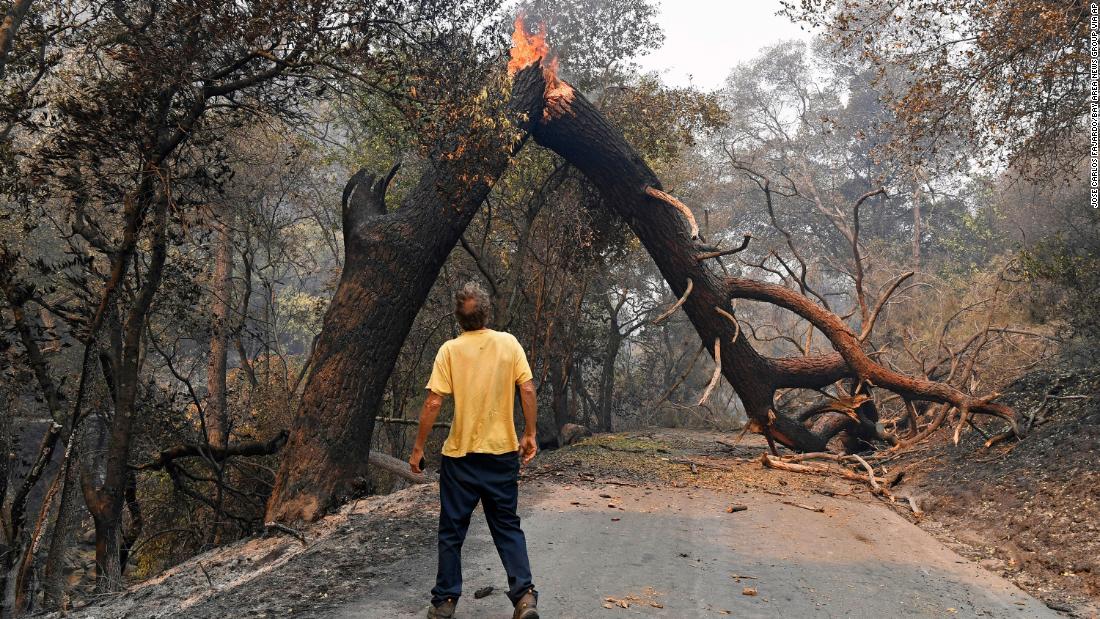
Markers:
{"x": 730, "y": 317}
{"x": 213, "y": 452}
{"x": 865, "y": 332}
{"x": 847, "y": 345}
{"x": 396, "y": 466}
{"x": 772, "y": 462}
{"x": 588, "y": 141}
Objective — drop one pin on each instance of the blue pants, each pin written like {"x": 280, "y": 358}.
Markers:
{"x": 492, "y": 479}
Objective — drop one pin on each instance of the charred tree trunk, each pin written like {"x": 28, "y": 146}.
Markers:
{"x": 109, "y": 500}
{"x": 391, "y": 261}
{"x": 217, "y": 415}
{"x": 607, "y": 375}
{"x": 577, "y": 131}
{"x": 61, "y": 537}
{"x": 559, "y": 393}
{"x": 5, "y": 439}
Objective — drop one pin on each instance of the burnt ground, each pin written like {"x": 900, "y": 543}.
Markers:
{"x": 668, "y": 491}
{"x": 1027, "y": 510}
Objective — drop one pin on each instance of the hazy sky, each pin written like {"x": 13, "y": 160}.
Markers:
{"x": 704, "y": 39}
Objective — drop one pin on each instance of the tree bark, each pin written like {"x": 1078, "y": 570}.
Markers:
{"x": 559, "y": 393}
{"x": 9, "y": 27}
{"x": 217, "y": 414}
{"x": 53, "y": 586}
{"x": 391, "y": 261}
{"x": 607, "y": 374}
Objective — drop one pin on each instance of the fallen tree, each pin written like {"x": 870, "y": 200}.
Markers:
{"x": 572, "y": 127}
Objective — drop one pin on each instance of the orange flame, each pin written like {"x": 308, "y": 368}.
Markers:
{"x": 529, "y": 48}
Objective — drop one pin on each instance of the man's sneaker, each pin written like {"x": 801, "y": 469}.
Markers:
{"x": 525, "y": 607}
{"x": 446, "y": 610}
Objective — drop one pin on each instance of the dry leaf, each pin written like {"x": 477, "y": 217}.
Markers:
{"x": 748, "y": 591}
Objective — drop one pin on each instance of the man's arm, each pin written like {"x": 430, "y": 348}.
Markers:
{"x": 428, "y": 414}
{"x": 528, "y": 446}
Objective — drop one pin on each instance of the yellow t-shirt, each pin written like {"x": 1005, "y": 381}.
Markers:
{"x": 481, "y": 369}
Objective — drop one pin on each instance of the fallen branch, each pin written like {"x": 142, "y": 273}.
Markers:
{"x": 912, "y": 504}
{"x": 282, "y": 528}
{"x": 811, "y": 508}
{"x": 772, "y": 462}
{"x": 870, "y": 475}
{"x": 1041, "y": 409}
{"x": 398, "y": 467}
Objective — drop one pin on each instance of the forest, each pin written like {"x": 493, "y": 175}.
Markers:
{"x": 231, "y": 232}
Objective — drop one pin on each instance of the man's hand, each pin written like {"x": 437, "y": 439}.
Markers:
{"x": 527, "y": 448}
{"x": 428, "y": 414}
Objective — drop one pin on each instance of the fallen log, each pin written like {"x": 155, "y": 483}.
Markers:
{"x": 396, "y": 466}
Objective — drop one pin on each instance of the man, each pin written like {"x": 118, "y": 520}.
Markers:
{"x": 481, "y": 456}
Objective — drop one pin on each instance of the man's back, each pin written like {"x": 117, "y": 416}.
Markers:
{"x": 480, "y": 369}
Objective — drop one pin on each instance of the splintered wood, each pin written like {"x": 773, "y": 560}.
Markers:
{"x": 878, "y": 487}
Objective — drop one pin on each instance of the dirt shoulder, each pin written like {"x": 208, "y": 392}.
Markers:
{"x": 1027, "y": 510}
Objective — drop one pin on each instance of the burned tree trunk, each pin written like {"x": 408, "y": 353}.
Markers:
{"x": 391, "y": 261}
{"x": 575, "y": 129}
{"x": 216, "y": 416}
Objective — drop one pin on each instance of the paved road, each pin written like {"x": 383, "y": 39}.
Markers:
{"x": 678, "y": 553}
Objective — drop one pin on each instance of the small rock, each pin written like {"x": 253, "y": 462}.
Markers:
{"x": 482, "y": 592}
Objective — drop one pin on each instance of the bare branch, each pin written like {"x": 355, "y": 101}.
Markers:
{"x": 870, "y": 324}
{"x": 717, "y": 371}
{"x": 675, "y": 306}
{"x": 678, "y": 205}
{"x": 726, "y": 252}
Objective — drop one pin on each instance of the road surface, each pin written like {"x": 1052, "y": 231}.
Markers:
{"x": 677, "y": 552}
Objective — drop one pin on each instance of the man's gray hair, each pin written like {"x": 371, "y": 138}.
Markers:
{"x": 476, "y": 315}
